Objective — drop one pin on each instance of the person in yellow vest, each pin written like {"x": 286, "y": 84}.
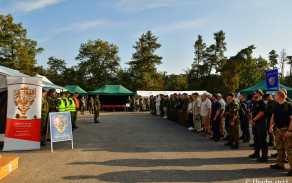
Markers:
{"x": 72, "y": 107}
{"x": 60, "y": 102}
{"x": 67, "y": 102}
{"x": 82, "y": 105}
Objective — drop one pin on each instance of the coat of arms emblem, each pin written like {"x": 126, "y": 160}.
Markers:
{"x": 60, "y": 122}
{"x": 272, "y": 80}
{"x": 23, "y": 99}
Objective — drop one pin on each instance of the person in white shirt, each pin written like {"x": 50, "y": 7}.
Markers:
{"x": 158, "y": 99}
{"x": 222, "y": 103}
{"x": 206, "y": 114}
{"x": 190, "y": 112}
{"x": 138, "y": 104}
{"x": 196, "y": 112}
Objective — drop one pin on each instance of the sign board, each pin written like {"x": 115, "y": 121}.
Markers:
{"x": 23, "y": 122}
{"x": 60, "y": 127}
{"x": 272, "y": 79}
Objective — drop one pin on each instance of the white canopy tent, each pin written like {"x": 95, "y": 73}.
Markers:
{"x": 4, "y": 72}
{"x": 154, "y": 93}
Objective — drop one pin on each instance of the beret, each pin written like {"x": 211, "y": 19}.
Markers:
{"x": 52, "y": 90}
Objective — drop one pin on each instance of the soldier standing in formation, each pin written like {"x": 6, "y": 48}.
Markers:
{"x": 91, "y": 105}
{"x": 44, "y": 117}
{"x": 97, "y": 107}
{"x": 269, "y": 112}
{"x": 282, "y": 119}
{"x": 259, "y": 127}
{"x": 82, "y": 106}
{"x": 61, "y": 103}
{"x": 234, "y": 121}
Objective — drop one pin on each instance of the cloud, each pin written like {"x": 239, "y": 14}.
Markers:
{"x": 80, "y": 27}
{"x": 177, "y": 26}
{"x": 28, "y": 5}
{"x": 140, "y": 5}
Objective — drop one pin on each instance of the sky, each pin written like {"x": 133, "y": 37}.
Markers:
{"x": 60, "y": 26}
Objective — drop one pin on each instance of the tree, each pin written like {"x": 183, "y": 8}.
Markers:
{"x": 16, "y": 50}
{"x": 283, "y": 59}
{"x": 200, "y": 50}
{"x": 55, "y": 70}
{"x": 144, "y": 61}
{"x": 99, "y": 62}
{"x": 273, "y": 59}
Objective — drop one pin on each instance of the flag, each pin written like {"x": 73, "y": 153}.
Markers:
{"x": 272, "y": 78}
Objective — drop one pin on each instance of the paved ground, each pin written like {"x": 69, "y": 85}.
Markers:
{"x": 139, "y": 147}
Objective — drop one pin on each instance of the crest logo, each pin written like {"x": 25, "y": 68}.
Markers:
{"x": 272, "y": 80}
{"x": 23, "y": 99}
{"x": 60, "y": 122}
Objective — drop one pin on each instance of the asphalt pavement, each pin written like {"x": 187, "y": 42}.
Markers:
{"x": 139, "y": 147}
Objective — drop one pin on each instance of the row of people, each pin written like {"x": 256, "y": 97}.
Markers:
{"x": 273, "y": 117}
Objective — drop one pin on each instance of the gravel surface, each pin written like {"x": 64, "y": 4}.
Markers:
{"x": 139, "y": 147}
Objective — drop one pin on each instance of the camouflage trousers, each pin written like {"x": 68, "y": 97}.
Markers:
{"x": 90, "y": 109}
{"x": 96, "y": 115}
{"x": 44, "y": 124}
{"x": 233, "y": 132}
{"x": 283, "y": 144}
{"x": 74, "y": 117}
{"x": 82, "y": 109}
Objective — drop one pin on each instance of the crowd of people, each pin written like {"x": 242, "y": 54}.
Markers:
{"x": 66, "y": 102}
{"x": 205, "y": 113}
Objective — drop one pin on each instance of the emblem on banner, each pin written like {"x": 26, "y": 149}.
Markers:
{"x": 23, "y": 99}
{"x": 272, "y": 80}
{"x": 60, "y": 122}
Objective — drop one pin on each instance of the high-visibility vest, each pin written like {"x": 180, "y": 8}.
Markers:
{"x": 76, "y": 103}
{"x": 72, "y": 107}
{"x": 67, "y": 104}
{"x": 62, "y": 105}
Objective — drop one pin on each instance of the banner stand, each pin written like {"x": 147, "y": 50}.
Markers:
{"x": 60, "y": 127}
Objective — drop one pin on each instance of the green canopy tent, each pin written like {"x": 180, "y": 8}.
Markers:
{"x": 75, "y": 88}
{"x": 263, "y": 86}
{"x": 112, "y": 94}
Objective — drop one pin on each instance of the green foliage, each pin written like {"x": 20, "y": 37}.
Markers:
{"x": 144, "y": 61}
{"x": 16, "y": 50}
{"x": 273, "y": 59}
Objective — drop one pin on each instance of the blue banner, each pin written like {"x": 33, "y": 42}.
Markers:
{"x": 272, "y": 78}
{"x": 61, "y": 128}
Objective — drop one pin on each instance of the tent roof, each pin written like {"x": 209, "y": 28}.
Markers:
{"x": 154, "y": 93}
{"x": 263, "y": 86}
{"x": 111, "y": 90}
{"x": 4, "y": 72}
{"x": 75, "y": 88}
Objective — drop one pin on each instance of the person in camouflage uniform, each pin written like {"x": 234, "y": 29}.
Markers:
{"x": 175, "y": 111}
{"x": 233, "y": 122}
{"x": 141, "y": 102}
{"x": 184, "y": 109}
{"x": 91, "y": 105}
{"x": 166, "y": 106}
{"x": 97, "y": 108}
{"x": 52, "y": 100}
{"x": 129, "y": 101}
{"x": 44, "y": 117}
{"x": 161, "y": 105}
{"x": 82, "y": 105}
{"x": 269, "y": 112}
{"x": 154, "y": 106}
{"x": 282, "y": 119}
{"x": 132, "y": 103}
{"x": 170, "y": 111}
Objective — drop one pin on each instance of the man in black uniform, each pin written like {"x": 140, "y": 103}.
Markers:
{"x": 244, "y": 118}
{"x": 259, "y": 127}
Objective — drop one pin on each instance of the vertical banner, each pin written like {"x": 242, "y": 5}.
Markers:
{"x": 60, "y": 127}
{"x": 272, "y": 79}
{"x": 23, "y": 123}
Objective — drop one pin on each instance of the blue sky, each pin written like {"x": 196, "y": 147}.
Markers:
{"x": 60, "y": 26}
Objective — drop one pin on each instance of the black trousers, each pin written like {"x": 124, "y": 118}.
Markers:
{"x": 191, "y": 120}
{"x": 216, "y": 128}
{"x": 244, "y": 125}
{"x": 259, "y": 131}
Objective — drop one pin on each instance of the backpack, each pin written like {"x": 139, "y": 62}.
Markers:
{"x": 242, "y": 110}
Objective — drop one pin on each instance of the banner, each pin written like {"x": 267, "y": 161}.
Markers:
{"x": 60, "y": 127}
{"x": 272, "y": 79}
{"x": 23, "y": 122}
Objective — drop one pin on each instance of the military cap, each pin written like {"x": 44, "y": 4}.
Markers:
{"x": 52, "y": 90}
{"x": 267, "y": 95}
